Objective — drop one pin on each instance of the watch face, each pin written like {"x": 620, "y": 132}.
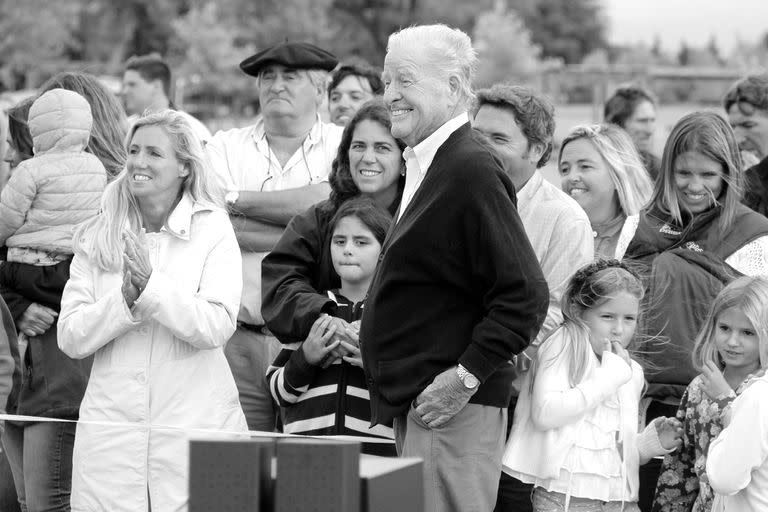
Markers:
{"x": 471, "y": 381}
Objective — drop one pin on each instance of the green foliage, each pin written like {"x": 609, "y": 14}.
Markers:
{"x": 504, "y": 47}
{"x": 565, "y": 29}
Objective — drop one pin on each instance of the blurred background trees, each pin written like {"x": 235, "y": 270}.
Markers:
{"x": 522, "y": 40}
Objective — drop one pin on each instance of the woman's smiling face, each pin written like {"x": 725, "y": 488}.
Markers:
{"x": 584, "y": 175}
{"x": 153, "y": 169}
{"x": 375, "y": 159}
{"x": 699, "y": 181}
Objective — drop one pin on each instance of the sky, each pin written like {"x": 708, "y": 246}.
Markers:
{"x": 633, "y": 21}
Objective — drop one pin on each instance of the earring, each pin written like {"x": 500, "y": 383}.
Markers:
{"x": 402, "y": 171}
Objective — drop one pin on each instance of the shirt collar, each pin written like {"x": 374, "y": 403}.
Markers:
{"x": 426, "y": 150}
{"x": 314, "y": 136}
{"x": 531, "y": 186}
{"x": 180, "y": 219}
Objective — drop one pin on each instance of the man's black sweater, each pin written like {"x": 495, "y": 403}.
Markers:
{"x": 756, "y": 187}
{"x": 457, "y": 282}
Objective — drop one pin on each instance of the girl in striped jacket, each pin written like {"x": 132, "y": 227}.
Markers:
{"x": 319, "y": 383}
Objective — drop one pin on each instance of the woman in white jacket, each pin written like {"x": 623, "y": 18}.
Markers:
{"x": 153, "y": 294}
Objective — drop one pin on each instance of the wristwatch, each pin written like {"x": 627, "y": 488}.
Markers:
{"x": 469, "y": 380}
{"x": 231, "y": 197}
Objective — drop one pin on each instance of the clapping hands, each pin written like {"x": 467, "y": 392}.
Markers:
{"x": 136, "y": 266}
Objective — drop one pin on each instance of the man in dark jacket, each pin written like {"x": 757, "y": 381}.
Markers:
{"x": 746, "y": 103}
{"x": 458, "y": 290}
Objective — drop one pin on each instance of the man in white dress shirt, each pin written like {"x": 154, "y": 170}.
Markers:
{"x": 273, "y": 169}
{"x": 519, "y": 124}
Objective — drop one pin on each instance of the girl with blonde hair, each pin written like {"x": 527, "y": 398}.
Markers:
{"x": 153, "y": 294}
{"x": 574, "y": 435}
{"x": 731, "y": 349}
{"x": 601, "y": 169}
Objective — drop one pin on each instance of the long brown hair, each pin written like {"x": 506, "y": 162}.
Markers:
{"x": 109, "y": 121}
{"x": 709, "y": 134}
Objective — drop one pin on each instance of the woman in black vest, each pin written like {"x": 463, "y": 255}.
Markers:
{"x": 692, "y": 238}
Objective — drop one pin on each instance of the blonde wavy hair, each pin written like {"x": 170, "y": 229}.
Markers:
{"x": 750, "y": 296}
{"x": 589, "y": 287}
{"x": 120, "y": 209}
{"x": 628, "y": 174}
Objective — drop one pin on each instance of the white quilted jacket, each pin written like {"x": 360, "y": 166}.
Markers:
{"x": 61, "y": 186}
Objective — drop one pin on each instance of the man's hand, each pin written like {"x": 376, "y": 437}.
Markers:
{"x": 443, "y": 399}
{"x": 36, "y": 319}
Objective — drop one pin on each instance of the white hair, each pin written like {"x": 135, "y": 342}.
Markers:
{"x": 452, "y": 51}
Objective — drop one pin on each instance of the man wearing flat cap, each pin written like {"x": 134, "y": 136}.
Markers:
{"x": 273, "y": 170}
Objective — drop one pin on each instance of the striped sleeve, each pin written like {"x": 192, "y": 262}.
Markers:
{"x": 290, "y": 375}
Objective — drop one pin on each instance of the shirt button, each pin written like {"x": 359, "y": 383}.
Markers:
{"x": 142, "y": 378}
{"x": 370, "y": 382}
{"x": 152, "y": 243}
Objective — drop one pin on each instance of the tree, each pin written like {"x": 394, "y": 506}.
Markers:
{"x": 684, "y": 54}
{"x": 656, "y": 50}
{"x": 504, "y": 47}
{"x": 714, "y": 49}
{"x": 30, "y": 43}
{"x": 566, "y": 29}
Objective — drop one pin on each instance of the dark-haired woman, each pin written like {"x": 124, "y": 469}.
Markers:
{"x": 369, "y": 162}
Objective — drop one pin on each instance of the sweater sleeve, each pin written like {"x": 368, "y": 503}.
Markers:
{"x": 290, "y": 375}
{"x": 743, "y": 445}
{"x": 290, "y": 273}
{"x": 504, "y": 267}
{"x": 15, "y": 201}
{"x": 555, "y": 403}
{"x": 86, "y": 323}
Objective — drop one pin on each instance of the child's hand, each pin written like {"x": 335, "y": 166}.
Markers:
{"x": 353, "y": 356}
{"x": 620, "y": 351}
{"x": 670, "y": 432}
{"x": 713, "y": 382}
{"x": 316, "y": 347}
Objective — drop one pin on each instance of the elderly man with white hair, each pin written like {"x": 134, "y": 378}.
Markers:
{"x": 458, "y": 291}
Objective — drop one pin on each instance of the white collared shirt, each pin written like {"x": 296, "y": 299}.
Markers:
{"x": 243, "y": 160}
{"x": 419, "y": 158}
{"x": 561, "y": 237}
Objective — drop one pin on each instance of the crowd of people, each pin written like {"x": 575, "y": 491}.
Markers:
{"x": 379, "y": 255}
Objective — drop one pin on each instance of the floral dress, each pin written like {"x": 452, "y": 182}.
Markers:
{"x": 683, "y": 485}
